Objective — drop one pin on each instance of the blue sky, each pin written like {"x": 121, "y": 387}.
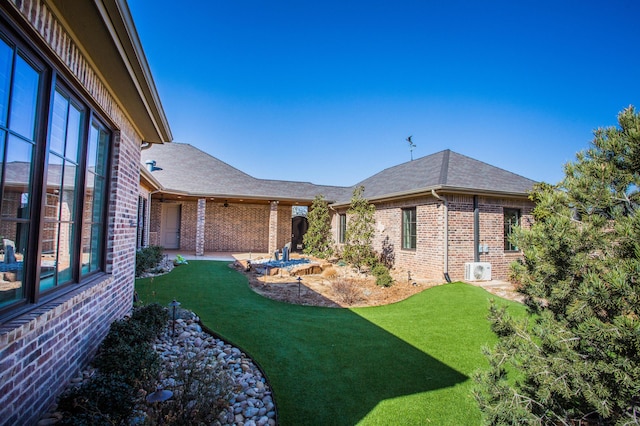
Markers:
{"x": 328, "y": 91}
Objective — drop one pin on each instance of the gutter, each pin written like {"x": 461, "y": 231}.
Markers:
{"x": 446, "y": 233}
{"x": 449, "y": 189}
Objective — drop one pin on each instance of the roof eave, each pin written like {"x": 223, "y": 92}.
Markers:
{"x": 245, "y": 197}
{"x": 146, "y": 176}
{"x": 105, "y": 33}
{"x": 427, "y": 191}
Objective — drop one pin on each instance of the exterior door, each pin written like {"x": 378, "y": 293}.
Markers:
{"x": 170, "y": 233}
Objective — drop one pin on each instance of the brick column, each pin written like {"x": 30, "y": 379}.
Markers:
{"x": 202, "y": 207}
{"x": 273, "y": 227}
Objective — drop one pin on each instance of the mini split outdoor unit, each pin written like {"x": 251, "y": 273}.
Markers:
{"x": 477, "y": 271}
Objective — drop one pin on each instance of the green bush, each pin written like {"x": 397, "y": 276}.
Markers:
{"x": 125, "y": 362}
{"x": 147, "y": 258}
{"x": 152, "y": 318}
{"x": 123, "y": 332}
{"x": 383, "y": 278}
{"x": 136, "y": 364}
{"x": 103, "y": 400}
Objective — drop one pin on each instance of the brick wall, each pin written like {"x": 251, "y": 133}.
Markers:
{"x": 240, "y": 227}
{"x": 237, "y": 228}
{"x": 42, "y": 349}
{"x": 428, "y": 260}
{"x": 284, "y": 226}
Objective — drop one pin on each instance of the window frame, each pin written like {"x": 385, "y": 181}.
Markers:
{"x": 142, "y": 221}
{"x": 409, "y": 242}
{"x": 50, "y": 81}
{"x": 342, "y": 228}
{"x": 508, "y": 227}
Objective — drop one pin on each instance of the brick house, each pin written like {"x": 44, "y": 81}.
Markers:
{"x": 434, "y": 215}
{"x": 204, "y": 205}
{"x": 77, "y": 103}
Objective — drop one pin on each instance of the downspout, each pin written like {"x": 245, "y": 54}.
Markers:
{"x": 446, "y": 233}
{"x": 476, "y": 229}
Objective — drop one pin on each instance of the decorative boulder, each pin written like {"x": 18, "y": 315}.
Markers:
{"x": 306, "y": 269}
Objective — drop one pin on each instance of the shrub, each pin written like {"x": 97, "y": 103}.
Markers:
{"x": 202, "y": 390}
{"x": 147, "y": 258}
{"x": 125, "y": 362}
{"x": 123, "y": 332}
{"x": 136, "y": 364}
{"x": 152, "y": 318}
{"x": 383, "y": 278}
{"x": 103, "y": 400}
{"x": 330, "y": 273}
{"x": 317, "y": 239}
{"x": 348, "y": 290}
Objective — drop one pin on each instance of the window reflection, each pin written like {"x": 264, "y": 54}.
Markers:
{"x": 71, "y": 234}
{"x": 24, "y": 96}
{"x": 12, "y": 258}
{"x": 95, "y": 191}
{"x": 62, "y": 175}
{"x": 6, "y": 59}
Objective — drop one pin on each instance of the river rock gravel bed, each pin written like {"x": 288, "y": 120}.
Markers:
{"x": 251, "y": 402}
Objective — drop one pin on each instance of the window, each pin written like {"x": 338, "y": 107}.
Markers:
{"x": 142, "y": 221}
{"x": 342, "y": 229}
{"x": 53, "y": 181}
{"x": 511, "y": 219}
{"x": 409, "y": 229}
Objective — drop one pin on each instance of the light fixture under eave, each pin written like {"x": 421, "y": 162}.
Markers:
{"x": 226, "y": 204}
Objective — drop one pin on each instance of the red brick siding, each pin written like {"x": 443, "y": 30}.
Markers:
{"x": 239, "y": 227}
{"x": 188, "y": 221}
{"x": 460, "y": 234}
{"x": 284, "y": 226}
{"x": 492, "y": 232}
{"x": 427, "y": 261}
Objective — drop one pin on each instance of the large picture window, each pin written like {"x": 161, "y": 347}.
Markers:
{"x": 53, "y": 181}
{"x": 409, "y": 229}
{"x": 511, "y": 220}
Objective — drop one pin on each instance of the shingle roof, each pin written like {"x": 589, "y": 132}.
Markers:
{"x": 184, "y": 168}
{"x": 445, "y": 170}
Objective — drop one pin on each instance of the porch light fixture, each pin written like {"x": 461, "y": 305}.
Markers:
{"x": 226, "y": 204}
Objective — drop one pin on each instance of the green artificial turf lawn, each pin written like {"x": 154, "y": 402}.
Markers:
{"x": 407, "y": 363}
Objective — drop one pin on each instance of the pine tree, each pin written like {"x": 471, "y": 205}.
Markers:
{"x": 577, "y": 360}
{"x": 317, "y": 240}
{"x": 358, "y": 245}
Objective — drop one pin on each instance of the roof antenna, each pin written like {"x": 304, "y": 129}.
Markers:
{"x": 411, "y": 145}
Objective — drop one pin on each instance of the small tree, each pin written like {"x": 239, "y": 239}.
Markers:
{"x": 579, "y": 362}
{"x": 317, "y": 240}
{"x": 358, "y": 249}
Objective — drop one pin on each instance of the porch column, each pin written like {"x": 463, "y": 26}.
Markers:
{"x": 202, "y": 208}
{"x": 273, "y": 227}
